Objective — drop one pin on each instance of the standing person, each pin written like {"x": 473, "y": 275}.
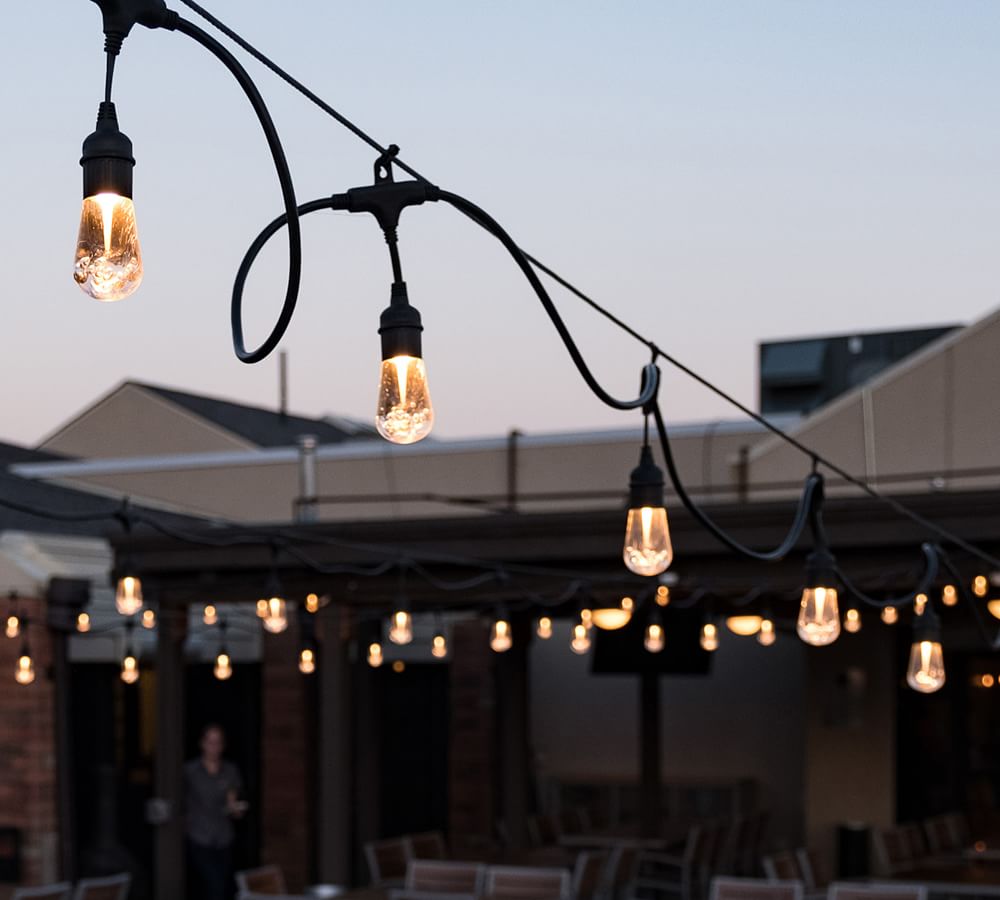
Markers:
{"x": 212, "y": 791}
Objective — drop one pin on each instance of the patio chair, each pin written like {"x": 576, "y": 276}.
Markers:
{"x": 427, "y": 845}
{"x": 387, "y": 861}
{"x": 876, "y": 891}
{"x": 815, "y": 872}
{"x": 783, "y": 866}
{"x": 543, "y": 831}
{"x": 666, "y": 876}
{"x": 445, "y": 877}
{"x": 588, "y": 875}
{"x": 60, "y": 891}
{"x": 754, "y": 889}
{"x": 892, "y": 851}
{"x": 524, "y": 883}
{"x": 619, "y": 875}
{"x": 113, "y": 887}
{"x": 266, "y": 880}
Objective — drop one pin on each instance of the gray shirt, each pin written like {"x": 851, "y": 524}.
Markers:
{"x": 208, "y": 823}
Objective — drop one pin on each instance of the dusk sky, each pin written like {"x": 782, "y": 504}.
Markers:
{"x": 715, "y": 173}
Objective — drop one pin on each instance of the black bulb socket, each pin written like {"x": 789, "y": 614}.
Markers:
{"x": 400, "y": 326}
{"x": 645, "y": 484}
{"x": 927, "y": 626}
{"x": 821, "y": 569}
{"x": 107, "y": 157}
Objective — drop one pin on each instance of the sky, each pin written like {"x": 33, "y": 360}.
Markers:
{"x": 717, "y": 174}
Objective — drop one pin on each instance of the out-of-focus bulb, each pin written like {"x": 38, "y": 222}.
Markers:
{"x": 587, "y": 618}
{"x": 890, "y": 615}
{"x": 993, "y": 608}
{"x": 647, "y": 550}
{"x": 404, "y": 414}
{"x": 130, "y": 669}
{"x": 83, "y": 622}
{"x": 852, "y": 621}
{"x": 709, "y": 637}
{"x": 24, "y": 672}
{"x": 375, "y": 658}
{"x": 148, "y": 618}
{"x": 949, "y": 595}
{"x": 544, "y": 628}
{"x": 276, "y": 619}
{"x": 210, "y": 615}
{"x": 439, "y": 646}
{"x": 13, "y": 628}
{"x": 980, "y": 585}
{"x": 919, "y": 604}
{"x": 655, "y": 639}
{"x": 925, "y": 672}
{"x": 611, "y": 618}
{"x": 662, "y": 595}
{"x": 401, "y": 627}
{"x": 744, "y": 626}
{"x": 581, "y": 639}
{"x": 223, "y": 668}
{"x": 128, "y": 595}
{"x": 819, "y": 616}
{"x": 766, "y": 635}
{"x": 261, "y": 608}
{"x": 500, "y": 638}
{"x": 307, "y": 661}
{"x": 312, "y": 603}
{"x": 108, "y": 260}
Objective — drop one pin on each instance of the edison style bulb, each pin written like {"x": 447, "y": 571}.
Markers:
{"x": 439, "y": 646}
{"x": 980, "y": 585}
{"x": 83, "y": 622}
{"x": 223, "y": 668}
{"x": 852, "y": 621}
{"x": 587, "y": 618}
{"x": 648, "y": 550}
{"x": 581, "y": 639}
{"x": 312, "y": 603}
{"x": 210, "y": 615}
{"x": 925, "y": 672}
{"x": 128, "y": 596}
{"x": 611, "y": 618}
{"x": 375, "y": 658}
{"x": 108, "y": 261}
{"x": 949, "y": 596}
{"x": 148, "y": 619}
{"x": 709, "y": 637}
{"x": 744, "y": 626}
{"x": 500, "y": 638}
{"x": 662, "y": 595}
{"x": 766, "y": 635}
{"x": 919, "y": 604}
{"x": 261, "y": 608}
{"x": 819, "y": 616}
{"x": 655, "y": 639}
{"x": 890, "y": 615}
{"x": 401, "y": 628}
{"x": 24, "y": 673}
{"x": 404, "y": 414}
{"x": 130, "y": 669}
{"x": 13, "y": 626}
{"x": 544, "y": 628}
{"x": 307, "y": 661}
{"x": 276, "y": 619}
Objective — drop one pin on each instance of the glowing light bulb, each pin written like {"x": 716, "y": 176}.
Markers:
{"x": 130, "y": 669}
{"x": 83, "y": 622}
{"x": 108, "y": 260}
{"x": 128, "y": 595}
{"x": 709, "y": 637}
{"x": 375, "y": 658}
{"x": 261, "y": 608}
{"x": 980, "y": 585}
{"x": 662, "y": 595}
{"x": 276, "y": 619}
{"x": 581, "y": 639}
{"x": 993, "y": 607}
{"x": 13, "y": 626}
{"x": 744, "y": 626}
{"x": 925, "y": 672}
{"x": 210, "y": 615}
{"x": 986, "y": 681}
{"x": 223, "y": 668}
{"x": 819, "y": 617}
{"x": 766, "y": 635}
{"x": 401, "y": 627}
{"x": 312, "y": 603}
{"x": 949, "y": 595}
{"x": 148, "y": 619}
{"x": 852, "y": 621}
{"x": 890, "y": 615}
{"x": 655, "y": 639}
{"x": 398, "y": 666}
{"x": 919, "y": 604}
{"x": 500, "y": 637}
{"x": 404, "y": 414}
{"x": 439, "y": 646}
{"x": 587, "y": 618}
{"x": 24, "y": 672}
{"x": 307, "y": 661}
{"x": 611, "y": 618}
{"x": 647, "y": 549}
{"x": 544, "y": 628}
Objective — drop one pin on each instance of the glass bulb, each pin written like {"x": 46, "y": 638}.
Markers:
{"x": 611, "y": 618}
{"x": 130, "y": 669}
{"x": 587, "y": 618}
{"x": 25, "y": 671}
{"x": 312, "y": 603}
{"x": 223, "y": 669}
{"x": 439, "y": 647}
{"x": 744, "y": 626}
{"x": 210, "y": 615}
{"x": 544, "y": 628}
{"x": 980, "y": 585}
{"x": 500, "y": 639}
{"x": 581, "y": 639}
{"x": 13, "y": 626}
{"x": 647, "y": 541}
{"x": 766, "y": 635}
{"x": 852, "y": 621}
{"x": 404, "y": 414}
{"x": 375, "y": 658}
{"x": 128, "y": 596}
{"x": 949, "y": 595}
{"x": 819, "y": 616}
{"x": 401, "y": 628}
{"x": 993, "y": 608}
{"x": 925, "y": 672}
{"x": 709, "y": 637}
{"x": 662, "y": 595}
{"x": 276, "y": 619}
{"x": 307, "y": 661}
{"x": 890, "y": 615}
{"x": 919, "y": 604}
{"x": 83, "y": 622}
{"x": 108, "y": 261}
{"x": 148, "y": 619}
{"x": 655, "y": 640}
{"x": 261, "y": 608}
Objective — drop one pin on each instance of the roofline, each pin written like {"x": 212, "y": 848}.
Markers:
{"x": 771, "y": 342}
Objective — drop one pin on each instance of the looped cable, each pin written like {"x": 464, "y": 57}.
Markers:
{"x": 931, "y": 568}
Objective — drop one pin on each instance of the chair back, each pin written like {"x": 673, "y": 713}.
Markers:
{"x": 543, "y": 830}
{"x": 263, "y": 880}
{"x": 60, "y": 891}
{"x": 445, "y": 877}
{"x": 588, "y": 874}
{"x": 523, "y": 883}
{"x": 941, "y": 835}
{"x": 621, "y": 868}
{"x": 387, "y": 860}
{"x": 754, "y": 889}
{"x": 427, "y": 845}
{"x": 876, "y": 891}
{"x": 916, "y": 842}
{"x": 892, "y": 850}
{"x": 782, "y": 866}
{"x": 113, "y": 887}
{"x": 815, "y": 874}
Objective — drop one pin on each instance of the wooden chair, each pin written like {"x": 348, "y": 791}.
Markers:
{"x": 387, "y": 861}
{"x": 543, "y": 831}
{"x": 427, "y": 845}
{"x": 523, "y": 883}
{"x": 875, "y": 891}
{"x": 783, "y": 866}
{"x": 588, "y": 875}
{"x": 619, "y": 876}
{"x": 666, "y": 875}
{"x": 60, "y": 891}
{"x": 445, "y": 877}
{"x": 892, "y": 851}
{"x": 266, "y": 880}
{"x": 113, "y": 887}
{"x": 815, "y": 874}
{"x": 754, "y": 889}
{"x": 916, "y": 842}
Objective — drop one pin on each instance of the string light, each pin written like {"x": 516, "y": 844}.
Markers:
{"x": 398, "y": 666}
{"x": 375, "y": 658}
{"x": 654, "y": 640}
{"x": 307, "y": 661}
{"x": 611, "y": 618}
{"x": 83, "y": 622}
{"x": 500, "y": 636}
{"x": 210, "y": 615}
{"x": 439, "y": 646}
{"x": 744, "y": 626}
{"x": 662, "y": 595}
{"x": 819, "y": 616}
{"x": 13, "y": 628}
{"x": 709, "y": 637}
{"x": 148, "y": 619}
{"x": 544, "y": 628}
{"x": 919, "y": 604}
{"x": 223, "y": 668}
{"x": 275, "y": 619}
{"x": 587, "y": 618}
{"x": 128, "y": 595}
{"x": 949, "y": 596}
{"x": 312, "y": 603}
{"x": 925, "y": 672}
{"x": 580, "y": 643}
{"x": 766, "y": 635}
{"x": 647, "y": 549}
{"x": 401, "y": 627}
{"x": 890, "y": 615}
{"x": 852, "y": 621}
{"x": 980, "y": 585}
{"x": 24, "y": 670}
{"x": 130, "y": 669}
{"x": 993, "y": 607}
{"x": 261, "y": 608}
